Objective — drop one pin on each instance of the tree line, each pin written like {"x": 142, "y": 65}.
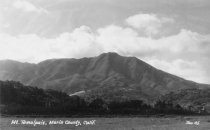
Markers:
{"x": 18, "y": 99}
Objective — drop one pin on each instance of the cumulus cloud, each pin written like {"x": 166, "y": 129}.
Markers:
{"x": 32, "y": 48}
{"x": 28, "y": 7}
{"x": 185, "y": 54}
{"x": 150, "y": 23}
{"x": 127, "y": 40}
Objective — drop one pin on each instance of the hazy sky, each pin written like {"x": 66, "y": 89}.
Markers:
{"x": 172, "y": 35}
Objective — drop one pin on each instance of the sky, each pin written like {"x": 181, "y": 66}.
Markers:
{"x": 171, "y": 35}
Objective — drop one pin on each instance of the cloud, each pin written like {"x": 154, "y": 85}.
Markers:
{"x": 127, "y": 40}
{"x": 32, "y": 48}
{"x": 28, "y": 7}
{"x": 150, "y": 23}
{"x": 185, "y": 54}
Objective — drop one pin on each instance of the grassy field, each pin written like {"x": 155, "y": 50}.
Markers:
{"x": 100, "y": 123}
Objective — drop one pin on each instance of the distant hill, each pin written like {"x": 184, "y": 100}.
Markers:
{"x": 108, "y": 76}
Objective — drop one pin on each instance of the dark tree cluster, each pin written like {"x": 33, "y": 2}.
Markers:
{"x": 17, "y": 99}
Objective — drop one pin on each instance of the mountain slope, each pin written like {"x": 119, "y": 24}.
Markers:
{"x": 194, "y": 99}
{"x": 110, "y": 76}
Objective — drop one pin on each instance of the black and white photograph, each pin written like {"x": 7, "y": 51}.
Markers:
{"x": 104, "y": 65}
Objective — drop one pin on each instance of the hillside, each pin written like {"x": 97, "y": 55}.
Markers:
{"x": 194, "y": 99}
{"x": 18, "y": 99}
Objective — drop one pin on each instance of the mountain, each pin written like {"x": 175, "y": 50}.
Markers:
{"x": 109, "y": 76}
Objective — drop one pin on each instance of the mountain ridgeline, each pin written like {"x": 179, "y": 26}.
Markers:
{"x": 108, "y": 76}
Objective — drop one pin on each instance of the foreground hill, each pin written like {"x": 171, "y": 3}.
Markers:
{"x": 108, "y": 76}
{"x": 193, "y": 99}
{"x": 18, "y": 99}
